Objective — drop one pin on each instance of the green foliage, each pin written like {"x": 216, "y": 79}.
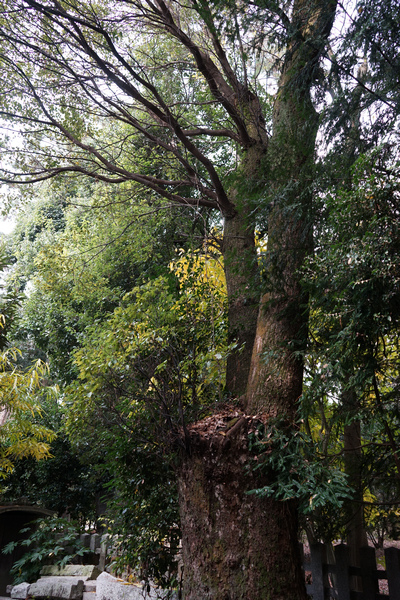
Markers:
{"x": 352, "y": 364}
{"x": 62, "y": 482}
{"x": 51, "y": 541}
{"x": 141, "y": 357}
{"x": 365, "y": 76}
{"x": 10, "y": 301}
{"x": 352, "y": 373}
{"x": 20, "y": 436}
{"x": 149, "y": 348}
{"x": 20, "y": 390}
{"x": 353, "y": 280}
{"x": 154, "y": 365}
{"x": 298, "y": 469}
{"x": 143, "y": 515}
{"x": 159, "y": 351}
{"x": 81, "y": 258}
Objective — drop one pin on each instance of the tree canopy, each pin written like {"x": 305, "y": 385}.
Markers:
{"x": 257, "y": 136}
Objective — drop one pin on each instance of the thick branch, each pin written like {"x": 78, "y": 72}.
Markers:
{"x": 212, "y": 132}
{"x": 216, "y": 82}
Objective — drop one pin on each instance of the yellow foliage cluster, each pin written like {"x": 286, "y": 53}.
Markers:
{"x": 200, "y": 268}
{"x": 20, "y": 436}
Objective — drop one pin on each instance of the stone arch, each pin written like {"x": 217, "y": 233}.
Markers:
{"x": 13, "y": 517}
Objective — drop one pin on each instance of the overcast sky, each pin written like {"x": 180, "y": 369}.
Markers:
{"x": 6, "y": 226}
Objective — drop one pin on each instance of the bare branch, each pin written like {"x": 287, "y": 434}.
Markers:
{"x": 212, "y": 132}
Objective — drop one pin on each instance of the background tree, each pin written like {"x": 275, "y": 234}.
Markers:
{"x": 75, "y": 276}
{"x": 63, "y": 482}
{"x": 19, "y": 399}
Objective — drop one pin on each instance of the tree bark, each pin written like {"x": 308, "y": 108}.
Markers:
{"x": 355, "y": 530}
{"x": 275, "y": 379}
{"x": 235, "y": 546}
{"x": 239, "y": 250}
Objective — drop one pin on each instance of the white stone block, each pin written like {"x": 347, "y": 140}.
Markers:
{"x": 20, "y": 591}
{"x": 63, "y": 588}
{"x": 85, "y": 572}
{"x": 111, "y": 588}
{"x": 90, "y": 585}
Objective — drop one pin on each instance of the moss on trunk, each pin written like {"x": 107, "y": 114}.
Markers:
{"x": 240, "y": 261}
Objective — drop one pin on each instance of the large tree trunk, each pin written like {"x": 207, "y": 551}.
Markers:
{"x": 238, "y": 546}
{"x": 275, "y": 381}
{"x": 240, "y": 255}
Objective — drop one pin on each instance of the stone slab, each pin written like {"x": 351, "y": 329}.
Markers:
{"x": 62, "y": 588}
{"x": 111, "y": 588}
{"x": 89, "y": 595}
{"x": 20, "y": 591}
{"x": 84, "y": 571}
{"x": 90, "y": 585}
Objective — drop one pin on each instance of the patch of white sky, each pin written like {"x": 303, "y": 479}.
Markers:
{"x": 12, "y": 139}
{"x": 7, "y": 225}
{"x": 345, "y": 15}
{"x": 7, "y": 221}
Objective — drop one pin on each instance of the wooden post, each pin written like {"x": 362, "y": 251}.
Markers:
{"x": 392, "y": 557}
{"x": 319, "y": 579}
{"x": 342, "y": 556}
{"x": 369, "y": 574}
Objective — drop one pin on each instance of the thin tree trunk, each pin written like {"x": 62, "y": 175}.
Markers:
{"x": 240, "y": 261}
{"x": 355, "y": 530}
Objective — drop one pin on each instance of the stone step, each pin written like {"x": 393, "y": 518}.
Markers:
{"x": 109, "y": 587}
{"x": 60, "y": 586}
{"x": 20, "y": 592}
